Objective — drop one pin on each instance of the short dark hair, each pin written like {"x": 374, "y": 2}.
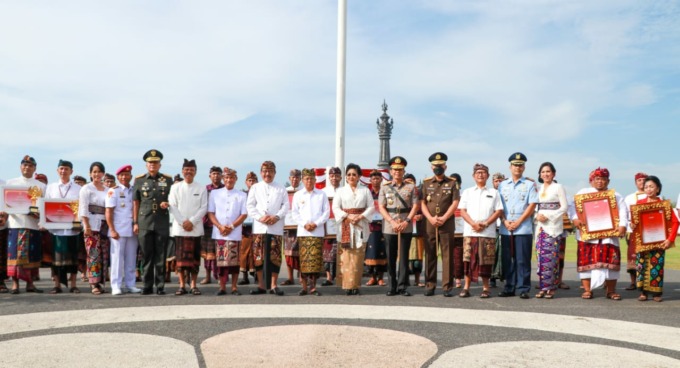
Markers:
{"x": 353, "y": 166}
{"x": 540, "y": 168}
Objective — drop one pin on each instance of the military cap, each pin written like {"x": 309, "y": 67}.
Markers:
{"x": 398, "y": 162}
{"x": 438, "y": 158}
{"x": 28, "y": 160}
{"x": 295, "y": 173}
{"x": 153, "y": 156}
{"x": 65, "y": 163}
{"x": 517, "y": 158}
{"x": 124, "y": 168}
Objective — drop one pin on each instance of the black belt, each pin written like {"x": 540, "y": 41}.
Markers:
{"x": 398, "y": 210}
{"x": 96, "y": 210}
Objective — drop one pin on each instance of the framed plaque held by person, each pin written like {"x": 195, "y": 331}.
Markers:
{"x": 599, "y": 215}
{"x": 289, "y": 223}
{"x": 331, "y": 226}
{"x": 59, "y": 213}
{"x": 652, "y": 224}
{"x": 16, "y": 199}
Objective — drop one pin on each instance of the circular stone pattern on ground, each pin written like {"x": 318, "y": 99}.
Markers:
{"x": 317, "y": 346}
{"x": 541, "y": 354}
{"x": 97, "y": 350}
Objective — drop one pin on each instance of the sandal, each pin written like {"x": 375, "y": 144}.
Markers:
{"x": 587, "y": 295}
{"x": 96, "y": 291}
{"x": 315, "y": 292}
{"x": 181, "y": 291}
{"x": 56, "y": 290}
{"x": 485, "y": 294}
{"x": 613, "y": 296}
{"x": 14, "y": 291}
{"x": 563, "y": 286}
{"x": 459, "y": 284}
{"x": 3, "y": 288}
{"x": 195, "y": 291}
{"x": 34, "y": 290}
{"x": 464, "y": 294}
{"x": 631, "y": 287}
{"x": 302, "y": 292}
{"x": 642, "y": 298}
{"x": 381, "y": 282}
{"x": 371, "y": 282}
{"x": 541, "y": 294}
{"x": 235, "y": 292}
{"x": 550, "y": 294}
{"x": 287, "y": 282}
{"x": 206, "y": 281}
{"x": 658, "y": 299}
{"x": 420, "y": 284}
{"x": 74, "y": 290}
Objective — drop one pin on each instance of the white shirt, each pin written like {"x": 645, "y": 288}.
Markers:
{"x": 555, "y": 192}
{"x": 267, "y": 199}
{"x": 291, "y": 189}
{"x": 188, "y": 202}
{"x": 89, "y": 195}
{"x": 480, "y": 204}
{"x": 310, "y": 207}
{"x": 120, "y": 199}
{"x": 630, "y": 200}
{"x": 330, "y": 190}
{"x": 24, "y": 221}
{"x": 345, "y": 198}
{"x": 228, "y": 206}
{"x": 623, "y": 218}
{"x": 69, "y": 190}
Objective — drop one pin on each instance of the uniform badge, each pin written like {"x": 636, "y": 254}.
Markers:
{"x": 145, "y": 194}
{"x": 122, "y": 204}
{"x": 390, "y": 201}
{"x": 429, "y": 198}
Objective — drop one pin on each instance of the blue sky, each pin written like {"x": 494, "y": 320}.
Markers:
{"x": 581, "y": 84}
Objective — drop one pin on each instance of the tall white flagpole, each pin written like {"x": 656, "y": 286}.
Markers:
{"x": 340, "y": 88}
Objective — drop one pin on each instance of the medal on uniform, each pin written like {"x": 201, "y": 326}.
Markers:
{"x": 145, "y": 194}
{"x": 390, "y": 201}
{"x": 429, "y": 198}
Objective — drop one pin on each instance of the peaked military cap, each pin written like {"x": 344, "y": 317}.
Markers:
{"x": 517, "y": 158}
{"x": 438, "y": 158}
{"x": 153, "y": 155}
{"x": 398, "y": 162}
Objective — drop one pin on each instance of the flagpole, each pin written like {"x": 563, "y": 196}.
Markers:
{"x": 340, "y": 86}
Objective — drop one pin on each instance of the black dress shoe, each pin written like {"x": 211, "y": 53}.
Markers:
{"x": 447, "y": 294}
{"x": 221, "y": 292}
{"x": 391, "y": 293}
{"x": 147, "y": 292}
{"x": 160, "y": 292}
{"x": 258, "y": 291}
{"x": 326, "y": 283}
{"x": 355, "y": 291}
{"x": 505, "y": 294}
{"x": 404, "y": 293}
{"x": 429, "y": 292}
{"x": 348, "y": 292}
{"x": 524, "y": 295}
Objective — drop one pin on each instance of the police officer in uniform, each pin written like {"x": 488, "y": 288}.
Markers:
{"x": 398, "y": 203}
{"x": 151, "y": 221}
{"x": 439, "y": 202}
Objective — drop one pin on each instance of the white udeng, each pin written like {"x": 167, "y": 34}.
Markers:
{"x": 345, "y": 198}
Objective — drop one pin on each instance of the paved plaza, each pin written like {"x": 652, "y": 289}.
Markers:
{"x": 335, "y": 330}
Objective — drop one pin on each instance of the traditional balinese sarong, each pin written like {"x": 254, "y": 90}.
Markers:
{"x": 547, "y": 255}
{"x": 330, "y": 254}
{"x": 415, "y": 255}
{"x": 650, "y": 271}
{"x": 47, "y": 252}
{"x": 65, "y": 257}
{"x": 351, "y": 266}
{"x": 376, "y": 255}
{"x": 97, "y": 250}
{"x": 457, "y": 250}
{"x": 171, "y": 250}
{"x": 274, "y": 254}
{"x": 188, "y": 253}
{"x": 3, "y": 254}
{"x": 291, "y": 249}
{"x": 497, "y": 273}
{"x": 227, "y": 256}
{"x": 598, "y": 255}
{"x": 208, "y": 253}
{"x": 631, "y": 255}
{"x": 23, "y": 252}
{"x": 246, "y": 260}
{"x": 311, "y": 258}
{"x": 479, "y": 255}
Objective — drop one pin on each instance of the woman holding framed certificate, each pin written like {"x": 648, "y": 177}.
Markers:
{"x": 655, "y": 226}
{"x": 552, "y": 205}
{"x": 91, "y": 210}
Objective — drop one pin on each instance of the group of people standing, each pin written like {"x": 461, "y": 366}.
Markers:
{"x": 351, "y": 229}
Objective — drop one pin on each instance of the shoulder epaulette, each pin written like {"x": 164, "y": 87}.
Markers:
{"x": 140, "y": 176}
{"x": 167, "y": 176}
{"x": 428, "y": 179}
{"x": 387, "y": 182}
{"x": 116, "y": 187}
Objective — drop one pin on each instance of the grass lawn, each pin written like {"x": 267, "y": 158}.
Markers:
{"x": 672, "y": 255}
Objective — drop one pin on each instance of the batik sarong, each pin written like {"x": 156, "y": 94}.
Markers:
{"x": 227, "y": 256}
{"x": 65, "y": 257}
{"x": 291, "y": 249}
{"x": 47, "y": 249}
{"x": 547, "y": 255}
{"x": 457, "y": 250}
{"x": 3, "y": 254}
{"x": 330, "y": 256}
{"x": 598, "y": 255}
{"x": 274, "y": 254}
{"x": 375, "y": 251}
{"x": 97, "y": 251}
{"x": 311, "y": 258}
{"x": 497, "y": 272}
{"x": 188, "y": 253}
{"x": 246, "y": 261}
{"x": 631, "y": 255}
{"x": 24, "y": 252}
{"x": 351, "y": 266}
{"x": 649, "y": 267}
{"x": 479, "y": 255}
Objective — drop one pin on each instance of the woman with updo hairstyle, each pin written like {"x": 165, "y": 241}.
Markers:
{"x": 353, "y": 209}
{"x": 649, "y": 264}
{"x": 91, "y": 211}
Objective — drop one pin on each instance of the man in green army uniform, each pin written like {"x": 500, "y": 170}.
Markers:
{"x": 151, "y": 221}
{"x": 440, "y": 199}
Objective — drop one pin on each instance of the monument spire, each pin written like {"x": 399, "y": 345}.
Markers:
{"x": 384, "y": 125}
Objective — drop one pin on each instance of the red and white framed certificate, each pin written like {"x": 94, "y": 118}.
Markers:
{"x": 651, "y": 224}
{"x": 289, "y": 223}
{"x": 15, "y": 199}
{"x": 58, "y": 213}
{"x": 599, "y": 214}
